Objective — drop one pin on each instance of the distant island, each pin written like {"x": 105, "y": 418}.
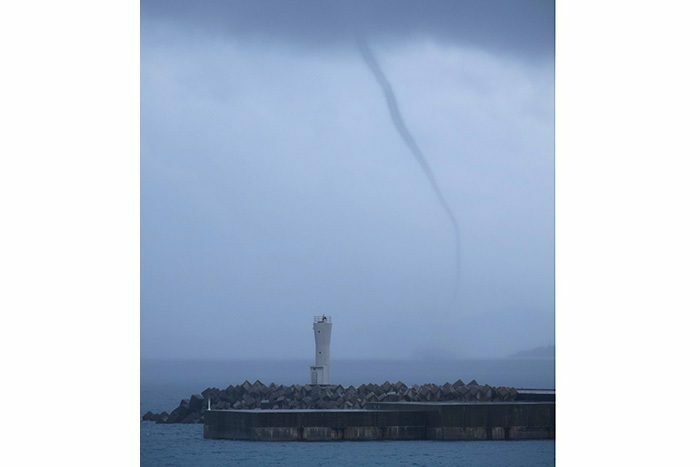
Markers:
{"x": 547, "y": 351}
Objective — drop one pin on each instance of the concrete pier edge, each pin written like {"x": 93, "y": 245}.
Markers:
{"x": 388, "y": 421}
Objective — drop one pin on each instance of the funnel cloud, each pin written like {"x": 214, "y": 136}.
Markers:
{"x": 410, "y": 141}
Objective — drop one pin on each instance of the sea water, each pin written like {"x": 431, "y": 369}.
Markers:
{"x": 183, "y": 445}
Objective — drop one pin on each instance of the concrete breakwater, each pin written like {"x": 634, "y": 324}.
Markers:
{"x": 389, "y": 421}
{"x": 249, "y": 396}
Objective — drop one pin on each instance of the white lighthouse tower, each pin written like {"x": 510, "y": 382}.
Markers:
{"x": 321, "y": 372}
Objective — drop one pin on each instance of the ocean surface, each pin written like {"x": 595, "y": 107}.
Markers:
{"x": 165, "y": 383}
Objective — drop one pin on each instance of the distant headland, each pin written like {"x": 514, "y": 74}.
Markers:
{"x": 547, "y": 351}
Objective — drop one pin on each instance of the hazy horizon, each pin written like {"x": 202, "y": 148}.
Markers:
{"x": 165, "y": 382}
{"x": 309, "y": 359}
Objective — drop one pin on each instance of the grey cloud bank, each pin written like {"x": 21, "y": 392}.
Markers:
{"x": 516, "y": 26}
{"x": 275, "y": 188}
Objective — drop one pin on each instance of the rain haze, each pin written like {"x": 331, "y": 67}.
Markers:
{"x": 275, "y": 185}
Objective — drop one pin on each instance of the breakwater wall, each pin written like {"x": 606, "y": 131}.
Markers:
{"x": 388, "y": 421}
{"x": 314, "y": 425}
{"x": 257, "y": 395}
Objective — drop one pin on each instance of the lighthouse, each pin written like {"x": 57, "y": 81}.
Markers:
{"x": 321, "y": 371}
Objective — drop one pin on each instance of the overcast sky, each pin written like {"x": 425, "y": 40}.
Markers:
{"x": 274, "y": 186}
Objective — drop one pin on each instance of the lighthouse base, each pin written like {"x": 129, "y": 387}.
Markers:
{"x": 319, "y": 375}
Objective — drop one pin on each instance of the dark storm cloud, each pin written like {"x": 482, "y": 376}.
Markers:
{"x": 512, "y": 26}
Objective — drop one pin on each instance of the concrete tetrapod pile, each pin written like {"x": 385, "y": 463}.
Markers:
{"x": 260, "y": 396}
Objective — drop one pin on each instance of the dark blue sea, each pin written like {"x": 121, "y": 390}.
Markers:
{"x": 165, "y": 383}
